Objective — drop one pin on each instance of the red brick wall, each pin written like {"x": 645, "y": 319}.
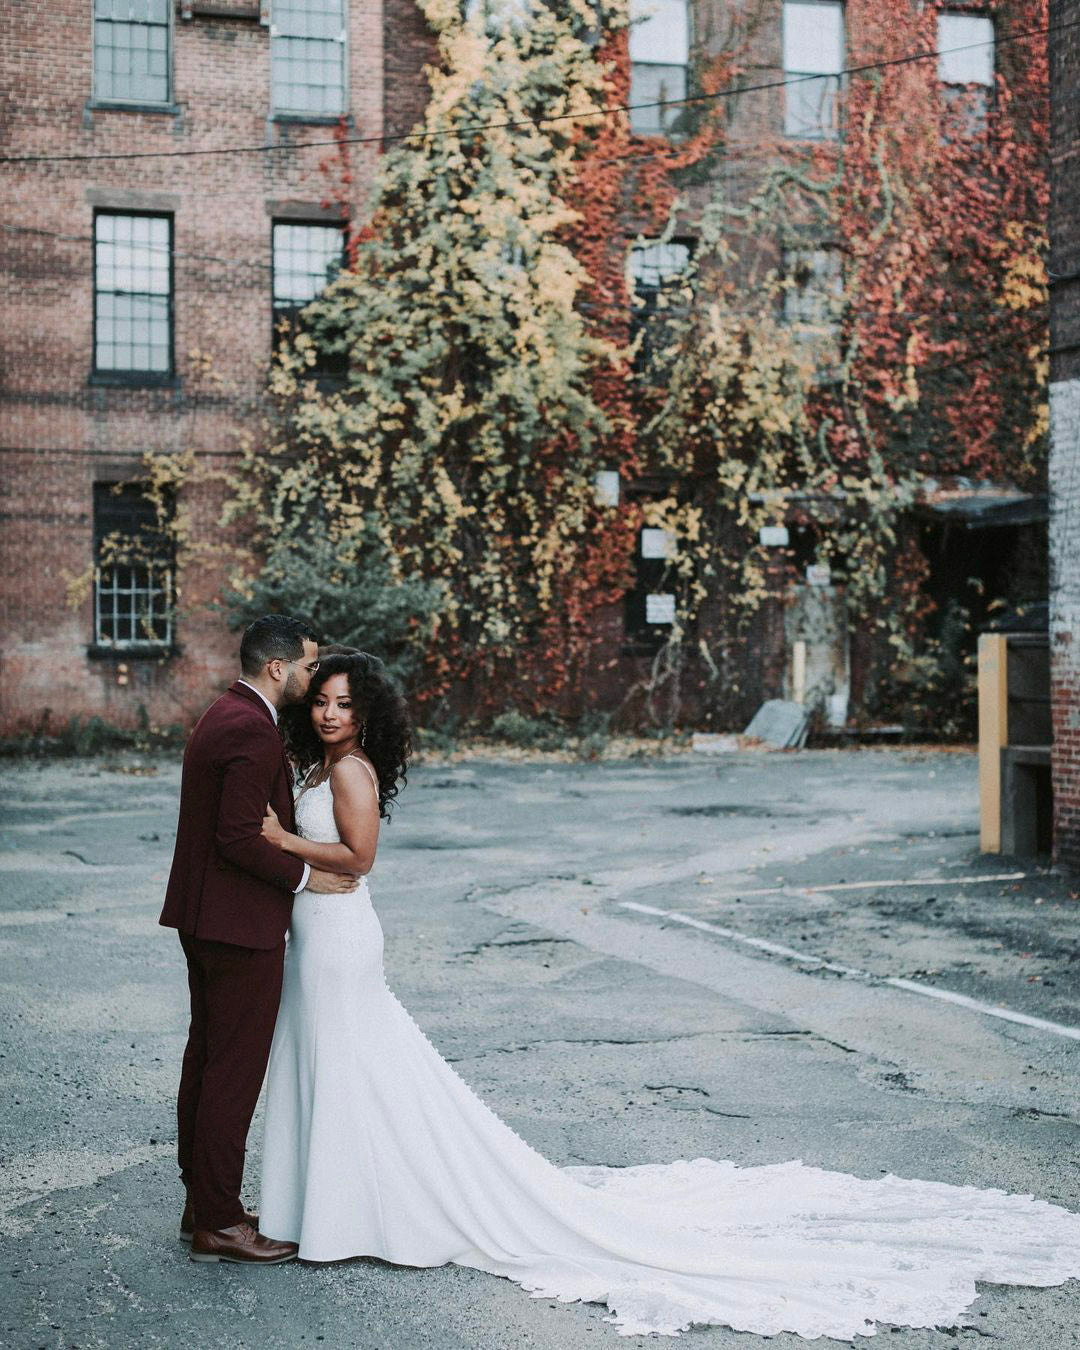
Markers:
{"x": 408, "y": 46}
{"x": 1065, "y": 425}
{"x": 1065, "y": 189}
{"x": 60, "y": 433}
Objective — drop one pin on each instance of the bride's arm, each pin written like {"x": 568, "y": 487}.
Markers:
{"x": 356, "y": 814}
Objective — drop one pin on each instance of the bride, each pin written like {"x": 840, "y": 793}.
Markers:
{"x": 375, "y": 1147}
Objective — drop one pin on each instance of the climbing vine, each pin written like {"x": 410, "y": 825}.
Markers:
{"x": 462, "y": 447}
{"x": 925, "y": 361}
{"x": 496, "y": 361}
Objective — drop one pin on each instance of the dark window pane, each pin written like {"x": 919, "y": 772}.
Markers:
{"x": 655, "y": 268}
{"x": 134, "y": 564}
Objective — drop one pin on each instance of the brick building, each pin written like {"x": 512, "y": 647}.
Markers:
{"x": 140, "y": 300}
{"x": 142, "y": 294}
{"x": 1065, "y": 423}
{"x": 984, "y": 542}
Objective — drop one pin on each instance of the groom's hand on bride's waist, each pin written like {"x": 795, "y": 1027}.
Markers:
{"x": 331, "y": 883}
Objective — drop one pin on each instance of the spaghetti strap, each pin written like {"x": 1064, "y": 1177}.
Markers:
{"x": 371, "y": 771}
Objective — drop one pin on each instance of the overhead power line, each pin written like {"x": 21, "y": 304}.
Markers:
{"x": 741, "y": 153}
{"x": 738, "y": 151}
{"x": 734, "y": 91}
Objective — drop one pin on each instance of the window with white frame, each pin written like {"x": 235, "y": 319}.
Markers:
{"x": 813, "y": 43}
{"x": 133, "y": 570}
{"x": 966, "y": 65}
{"x": 659, "y": 56}
{"x": 306, "y": 258}
{"x": 307, "y": 56}
{"x": 132, "y": 295}
{"x": 131, "y": 51}
{"x": 965, "y": 49}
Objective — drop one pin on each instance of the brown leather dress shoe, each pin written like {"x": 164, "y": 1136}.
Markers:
{"x": 187, "y": 1220}
{"x": 240, "y": 1243}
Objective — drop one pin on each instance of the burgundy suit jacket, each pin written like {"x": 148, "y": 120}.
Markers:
{"x": 227, "y": 883}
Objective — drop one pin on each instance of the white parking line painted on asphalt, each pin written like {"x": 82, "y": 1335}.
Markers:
{"x": 918, "y": 881}
{"x": 876, "y": 885}
{"x": 775, "y": 948}
{"x": 819, "y": 963}
{"x": 1006, "y": 1014}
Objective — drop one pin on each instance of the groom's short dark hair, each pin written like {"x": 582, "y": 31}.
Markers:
{"x": 274, "y": 637}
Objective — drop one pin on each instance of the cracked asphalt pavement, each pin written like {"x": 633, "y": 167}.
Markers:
{"x": 631, "y": 961}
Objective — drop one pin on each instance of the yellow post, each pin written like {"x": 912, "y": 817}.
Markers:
{"x": 993, "y": 734}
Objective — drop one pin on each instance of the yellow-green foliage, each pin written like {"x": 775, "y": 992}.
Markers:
{"x": 465, "y": 433}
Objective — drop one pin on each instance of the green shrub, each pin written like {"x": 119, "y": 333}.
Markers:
{"x": 85, "y": 737}
{"x": 529, "y": 733}
{"x": 594, "y": 735}
{"x": 350, "y": 592}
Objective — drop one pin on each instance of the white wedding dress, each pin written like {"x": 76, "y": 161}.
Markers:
{"x": 375, "y": 1147}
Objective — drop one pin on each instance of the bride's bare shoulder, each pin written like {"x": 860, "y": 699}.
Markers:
{"x": 353, "y": 771}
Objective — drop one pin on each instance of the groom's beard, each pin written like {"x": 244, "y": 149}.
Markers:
{"x": 293, "y": 692}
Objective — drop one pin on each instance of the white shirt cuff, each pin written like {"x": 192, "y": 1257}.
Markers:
{"x": 303, "y": 879}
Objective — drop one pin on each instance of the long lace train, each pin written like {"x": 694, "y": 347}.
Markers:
{"x": 375, "y": 1146}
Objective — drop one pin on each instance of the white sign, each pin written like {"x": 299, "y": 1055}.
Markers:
{"x": 657, "y": 543}
{"x": 819, "y": 574}
{"x": 606, "y": 484}
{"x": 659, "y": 609}
{"x": 773, "y": 536}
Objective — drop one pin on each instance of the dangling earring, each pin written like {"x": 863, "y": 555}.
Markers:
{"x": 363, "y": 736}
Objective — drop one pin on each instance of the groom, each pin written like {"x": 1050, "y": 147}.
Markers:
{"x": 230, "y": 894}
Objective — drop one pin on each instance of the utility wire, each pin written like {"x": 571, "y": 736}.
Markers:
{"x": 737, "y": 153}
{"x": 476, "y": 128}
{"x": 734, "y": 155}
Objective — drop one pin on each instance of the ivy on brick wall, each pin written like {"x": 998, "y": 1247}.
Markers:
{"x": 484, "y": 322}
{"x": 462, "y": 446}
{"x": 870, "y": 314}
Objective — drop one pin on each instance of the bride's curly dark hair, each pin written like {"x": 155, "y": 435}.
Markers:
{"x": 378, "y": 707}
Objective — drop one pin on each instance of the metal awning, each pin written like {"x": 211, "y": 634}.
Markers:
{"x": 976, "y": 505}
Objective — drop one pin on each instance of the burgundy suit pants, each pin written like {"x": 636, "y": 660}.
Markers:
{"x": 235, "y": 993}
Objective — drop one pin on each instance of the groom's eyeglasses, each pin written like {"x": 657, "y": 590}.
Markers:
{"x": 311, "y": 667}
